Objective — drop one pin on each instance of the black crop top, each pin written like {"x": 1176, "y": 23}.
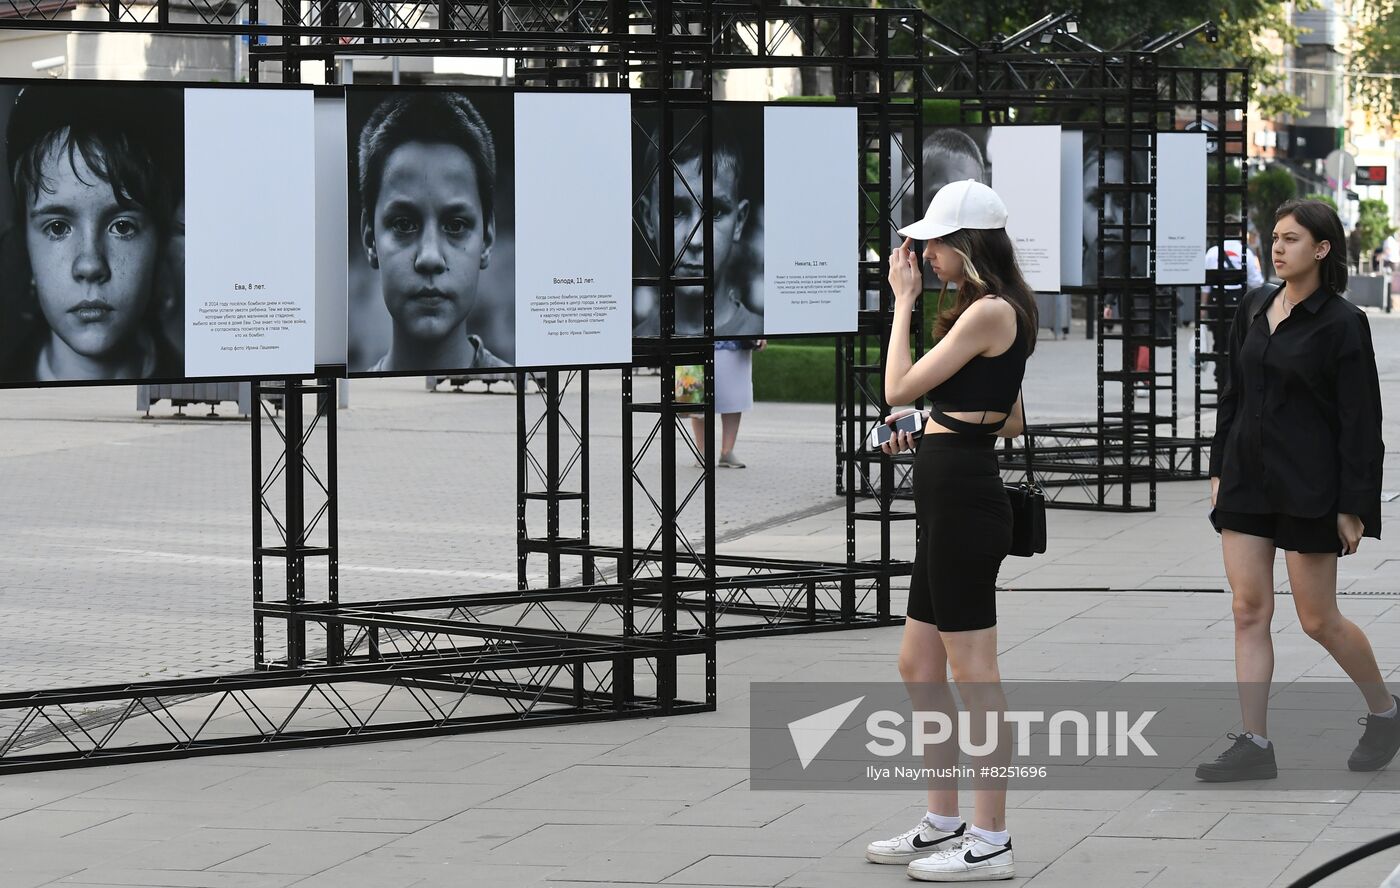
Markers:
{"x": 985, "y": 383}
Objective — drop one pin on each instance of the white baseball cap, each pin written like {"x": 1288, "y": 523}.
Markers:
{"x": 957, "y": 205}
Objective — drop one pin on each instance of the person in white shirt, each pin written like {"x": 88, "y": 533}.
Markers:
{"x": 1236, "y": 255}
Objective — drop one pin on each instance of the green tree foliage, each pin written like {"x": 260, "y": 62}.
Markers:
{"x": 1113, "y": 23}
{"x": 1375, "y": 50}
{"x": 1325, "y": 198}
{"x": 1374, "y": 225}
{"x": 1232, "y": 200}
{"x": 1267, "y": 190}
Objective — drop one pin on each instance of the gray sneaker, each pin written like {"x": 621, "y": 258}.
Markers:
{"x": 1379, "y": 743}
{"x": 730, "y": 461}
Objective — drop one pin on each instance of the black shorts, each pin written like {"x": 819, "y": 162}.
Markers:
{"x": 964, "y": 532}
{"x": 1304, "y": 535}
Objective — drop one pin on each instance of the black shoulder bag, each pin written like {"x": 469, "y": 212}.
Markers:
{"x": 1027, "y": 507}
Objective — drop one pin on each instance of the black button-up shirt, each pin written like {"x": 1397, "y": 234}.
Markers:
{"x": 1298, "y": 431}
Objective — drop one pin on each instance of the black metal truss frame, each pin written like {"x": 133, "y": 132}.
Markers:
{"x": 378, "y": 696}
{"x": 1215, "y": 101}
{"x": 1113, "y": 461}
{"x": 295, "y": 473}
{"x": 330, "y": 672}
{"x": 584, "y": 648}
{"x": 1006, "y": 84}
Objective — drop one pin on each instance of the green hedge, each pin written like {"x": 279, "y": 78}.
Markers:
{"x": 795, "y": 373}
{"x": 805, "y": 369}
{"x": 805, "y": 373}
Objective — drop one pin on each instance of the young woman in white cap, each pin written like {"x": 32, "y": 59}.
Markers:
{"x": 972, "y": 379}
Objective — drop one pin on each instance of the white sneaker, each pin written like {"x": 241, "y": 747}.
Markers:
{"x": 967, "y": 860}
{"x": 920, "y": 841}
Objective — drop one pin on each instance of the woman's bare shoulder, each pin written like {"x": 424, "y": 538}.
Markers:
{"x": 985, "y": 318}
{"x": 994, "y": 318}
{"x": 992, "y": 307}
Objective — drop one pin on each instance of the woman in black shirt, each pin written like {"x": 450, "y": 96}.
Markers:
{"x": 1296, "y": 465}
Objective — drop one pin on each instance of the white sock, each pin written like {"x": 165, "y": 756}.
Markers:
{"x": 949, "y": 823}
{"x": 1391, "y": 712}
{"x": 990, "y": 837}
{"x": 1260, "y": 741}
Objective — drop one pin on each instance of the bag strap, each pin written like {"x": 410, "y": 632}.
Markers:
{"x": 1030, "y": 469}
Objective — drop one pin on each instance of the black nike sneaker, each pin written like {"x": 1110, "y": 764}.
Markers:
{"x": 920, "y": 841}
{"x": 969, "y": 860}
{"x": 1378, "y": 745}
{"x": 1243, "y": 761}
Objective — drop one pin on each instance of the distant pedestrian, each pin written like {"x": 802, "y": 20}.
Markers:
{"x": 733, "y": 396}
{"x": 1296, "y": 465}
{"x": 1222, "y": 302}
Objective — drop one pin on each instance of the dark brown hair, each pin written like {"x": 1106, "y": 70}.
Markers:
{"x": 122, "y": 135}
{"x": 435, "y": 117}
{"x": 989, "y": 266}
{"x": 1322, "y": 223}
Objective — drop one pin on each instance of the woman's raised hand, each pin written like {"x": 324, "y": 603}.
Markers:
{"x": 906, "y": 279}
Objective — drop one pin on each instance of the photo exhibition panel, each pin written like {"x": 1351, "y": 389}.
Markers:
{"x": 783, "y": 233}
{"x": 134, "y": 245}
{"x": 487, "y": 229}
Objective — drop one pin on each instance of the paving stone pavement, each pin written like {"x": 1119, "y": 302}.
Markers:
{"x": 124, "y": 548}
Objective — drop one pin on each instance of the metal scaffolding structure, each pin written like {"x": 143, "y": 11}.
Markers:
{"x": 626, "y": 628}
{"x": 1120, "y": 99}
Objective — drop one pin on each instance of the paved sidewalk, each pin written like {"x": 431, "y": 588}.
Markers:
{"x": 665, "y": 801}
{"x": 125, "y": 541}
{"x": 124, "y": 547}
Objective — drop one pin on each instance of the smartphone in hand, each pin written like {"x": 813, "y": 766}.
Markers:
{"x": 882, "y": 432}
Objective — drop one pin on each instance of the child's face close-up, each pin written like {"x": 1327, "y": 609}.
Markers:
{"x": 93, "y": 260}
{"x": 730, "y": 218}
{"x": 430, "y": 238}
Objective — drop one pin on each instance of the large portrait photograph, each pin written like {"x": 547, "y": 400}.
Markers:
{"x": 92, "y": 233}
{"x": 432, "y": 230}
{"x": 948, "y": 154}
{"x": 1118, "y": 167}
{"x": 735, "y": 232}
